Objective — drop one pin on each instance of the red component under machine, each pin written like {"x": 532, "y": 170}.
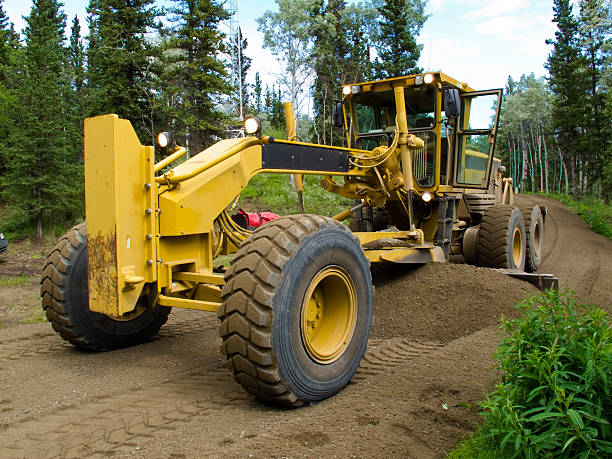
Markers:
{"x": 252, "y": 220}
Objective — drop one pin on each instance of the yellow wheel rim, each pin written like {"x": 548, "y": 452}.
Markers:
{"x": 517, "y": 247}
{"x": 329, "y": 314}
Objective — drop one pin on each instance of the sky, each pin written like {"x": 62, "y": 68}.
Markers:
{"x": 479, "y": 42}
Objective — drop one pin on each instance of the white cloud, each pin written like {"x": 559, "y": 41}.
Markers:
{"x": 497, "y": 8}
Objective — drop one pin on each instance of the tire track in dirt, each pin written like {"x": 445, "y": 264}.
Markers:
{"x": 550, "y": 226}
{"x": 385, "y": 355}
{"x": 119, "y": 423}
{"x": 49, "y": 343}
{"x": 122, "y": 421}
{"x": 591, "y": 276}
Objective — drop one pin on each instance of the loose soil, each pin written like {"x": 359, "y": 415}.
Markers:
{"x": 415, "y": 394}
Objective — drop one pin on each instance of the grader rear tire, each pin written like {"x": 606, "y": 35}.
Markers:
{"x": 501, "y": 238}
{"x": 65, "y": 299}
{"x": 534, "y": 229}
{"x": 297, "y": 310}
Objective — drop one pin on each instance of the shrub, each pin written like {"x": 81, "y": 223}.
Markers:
{"x": 554, "y": 398}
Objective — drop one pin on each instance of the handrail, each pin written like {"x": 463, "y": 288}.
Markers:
{"x": 169, "y": 177}
{"x": 180, "y": 151}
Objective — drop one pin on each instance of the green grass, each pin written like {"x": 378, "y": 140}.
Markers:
{"x": 593, "y": 211}
{"x": 554, "y": 398}
{"x": 37, "y": 317}
{"x": 275, "y": 193}
{"x": 19, "y": 281}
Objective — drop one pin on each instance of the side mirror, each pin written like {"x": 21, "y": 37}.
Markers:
{"x": 338, "y": 117}
{"x": 451, "y": 102}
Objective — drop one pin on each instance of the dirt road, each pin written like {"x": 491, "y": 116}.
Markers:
{"x": 415, "y": 395}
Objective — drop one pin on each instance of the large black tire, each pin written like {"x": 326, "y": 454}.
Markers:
{"x": 381, "y": 220}
{"x": 271, "y": 290}
{"x": 501, "y": 238}
{"x": 534, "y": 229}
{"x": 65, "y": 299}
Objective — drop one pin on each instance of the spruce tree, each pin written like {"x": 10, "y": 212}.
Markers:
{"x": 596, "y": 43}
{"x": 400, "y": 23}
{"x": 9, "y": 52}
{"x": 76, "y": 76}
{"x": 39, "y": 181}
{"x": 195, "y": 76}
{"x": 567, "y": 83}
{"x": 243, "y": 64}
{"x": 257, "y": 93}
{"x": 120, "y": 60}
{"x": 328, "y": 54}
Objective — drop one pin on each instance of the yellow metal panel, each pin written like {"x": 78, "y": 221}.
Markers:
{"x": 192, "y": 249}
{"x": 188, "y": 304}
{"x": 117, "y": 167}
{"x": 192, "y": 206}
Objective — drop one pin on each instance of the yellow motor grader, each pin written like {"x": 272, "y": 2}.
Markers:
{"x": 296, "y": 304}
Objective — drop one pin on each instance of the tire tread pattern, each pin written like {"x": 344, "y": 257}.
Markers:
{"x": 493, "y": 236}
{"x": 247, "y": 311}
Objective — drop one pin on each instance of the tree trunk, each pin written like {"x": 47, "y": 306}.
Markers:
{"x": 574, "y": 171}
{"x": 545, "y": 158}
{"x": 39, "y": 226}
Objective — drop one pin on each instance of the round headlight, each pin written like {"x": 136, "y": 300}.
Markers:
{"x": 426, "y": 196}
{"x": 346, "y": 90}
{"x": 355, "y": 89}
{"x": 428, "y": 78}
{"x": 418, "y": 80}
{"x": 164, "y": 139}
{"x": 252, "y": 125}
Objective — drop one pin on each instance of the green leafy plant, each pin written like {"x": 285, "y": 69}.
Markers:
{"x": 554, "y": 398}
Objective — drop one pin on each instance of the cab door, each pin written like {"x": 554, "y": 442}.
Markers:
{"x": 475, "y": 138}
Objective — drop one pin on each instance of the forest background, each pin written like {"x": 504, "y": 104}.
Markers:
{"x": 170, "y": 68}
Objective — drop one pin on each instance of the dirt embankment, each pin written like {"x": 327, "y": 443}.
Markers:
{"x": 415, "y": 394}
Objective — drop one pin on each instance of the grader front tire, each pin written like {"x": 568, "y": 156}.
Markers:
{"x": 297, "y": 310}
{"x": 65, "y": 299}
{"x": 501, "y": 238}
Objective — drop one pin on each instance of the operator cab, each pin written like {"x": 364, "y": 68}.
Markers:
{"x": 458, "y": 146}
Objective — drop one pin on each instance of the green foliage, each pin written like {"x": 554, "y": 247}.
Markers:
{"x": 9, "y": 50}
{"x": 275, "y": 193}
{"x": 555, "y": 395}
{"x": 399, "y": 24}
{"x": 340, "y": 55}
{"x": 40, "y": 171}
{"x": 194, "y": 77}
{"x": 120, "y": 61}
{"x": 592, "y": 210}
{"x": 257, "y": 103}
{"x": 287, "y": 35}
{"x": 241, "y": 87}
{"x": 525, "y": 142}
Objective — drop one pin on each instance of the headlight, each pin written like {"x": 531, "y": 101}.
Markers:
{"x": 418, "y": 80}
{"x": 426, "y": 196}
{"x": 428, "y": 78}
{"x": 165, "y": 139}
{"x": 252, "y": 125}
{"x": 346, "y": 90}
{"x": 355, "y": 89}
